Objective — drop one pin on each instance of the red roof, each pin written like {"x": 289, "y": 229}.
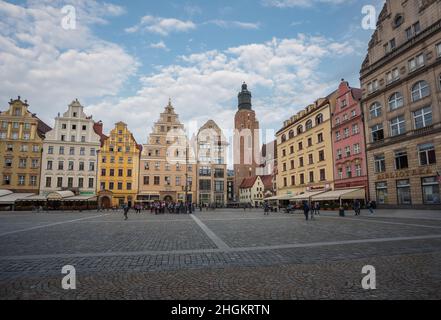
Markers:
{"x": 267, "y": 182}
{"x": 248, "y": 183}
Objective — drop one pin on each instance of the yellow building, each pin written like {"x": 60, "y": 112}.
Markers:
{"x": 304, "y": 149}
{"x": 118, "y": 164}
{"x": 21, "y": 140}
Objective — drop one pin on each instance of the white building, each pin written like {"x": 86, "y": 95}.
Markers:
{"x": 69, "y": 160}
{"x": 254, "y": 190}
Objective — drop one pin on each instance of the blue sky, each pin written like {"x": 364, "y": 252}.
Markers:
{"x": 125, "y": 58}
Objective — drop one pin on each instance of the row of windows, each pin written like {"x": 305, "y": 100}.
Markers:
{"x": 120, "y": 172}
{"x": 348, "y": 151}
{"x": 338, "y": 121}
{"x": 21, "y": 180}
{"x": 347, "y": 132}
{"x": 167, "y": 166}
{"x": 426, "y": 156}
{"x": 22, "y": 163}
{"x": 320, "y": 139}
{"x": 15, "y": 136}
{"x": 73, "y": 127}
{"x": 422, "y": 118}
{"x": 321, "y": 157}
{"x": 322, "y": 177}
{"x": 419, "y": 91}
{"x": 349, "y": 172}
{"x": 70, "y": 183}
{"x": 23, "y": 148}
{"x": 70, "y": 166}
{"x": 120, "y": 160}
{"x": 179, "y": 181}
{"x": 300, "y": 129}
{"x": 72, "y": 151}
{"x": 116, "y": 186}
{"x": 16, "y": 125}
{"x": 430, "y": 189}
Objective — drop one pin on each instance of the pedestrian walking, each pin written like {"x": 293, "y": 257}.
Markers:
{"x": 266, "y": 208}
{"x": 306, "y": 210}
{"x": 317, "y": 208}
{"x": 370, "y": 207}
{"x": 126, "y": 211}
{"x": 357, "y": 207}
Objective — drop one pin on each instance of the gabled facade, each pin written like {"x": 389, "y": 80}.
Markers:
{"x": 255, "y": 189}
{"x": 401, "y": 83}
{"x": 349, "y": 148}
{"x": 21, "y": 142}
{"x": 118, "y": 168}
{"x": 165, "y": 163}
{"x": 70, "y": 154}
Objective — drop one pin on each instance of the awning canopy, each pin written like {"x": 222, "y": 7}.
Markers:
{"x": 306, "y": 196}
{"x": 81, "y": 198}
{"x": 346, "y": 194}
{"x": 280, "y": 197}
{"x": 5, "y": 193}
{"x": 11, "y": 198}
{"x": 60, "y": 195}
{"x": 32, "y": 198}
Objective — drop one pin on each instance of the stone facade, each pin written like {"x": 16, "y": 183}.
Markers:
{"x": 349, "y": 148}
{"x": 246, "y": 140}
{"x": 164, "y": 162}
{"x": 21, "y": 142}
{"x": 401, "y": 83}
{"x": 118, "y": 163}
{"x": 304, "y": 150}
{"x": 212, "y": 167}
{"x": 70, "y": 154}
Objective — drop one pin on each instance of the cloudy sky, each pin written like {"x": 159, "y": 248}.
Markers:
{"x": 124, "y": 59}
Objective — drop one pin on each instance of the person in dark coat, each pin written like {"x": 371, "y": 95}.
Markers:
{"x": 126, "y": 209}
{"x": 306, "y": 210}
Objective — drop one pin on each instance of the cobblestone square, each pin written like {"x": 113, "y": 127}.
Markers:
{"x": 222, "y": 254}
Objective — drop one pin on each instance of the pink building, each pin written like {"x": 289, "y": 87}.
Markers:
{"x": 350, "y": 168}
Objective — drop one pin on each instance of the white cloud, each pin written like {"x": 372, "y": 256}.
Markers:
{"x": 300, "y": 3}
{"x": 283, "y": 74}
{"x": 159, "y": 45}
{"x": 235, "y": 24}
{"x": 162, "y": 26}
{"x": 50, "y": 66}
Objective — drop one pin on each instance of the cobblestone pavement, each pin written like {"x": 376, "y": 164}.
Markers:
{"x": 226, "y": 254}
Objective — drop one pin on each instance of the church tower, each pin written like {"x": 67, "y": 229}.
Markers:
{"x": 246, "y": 140}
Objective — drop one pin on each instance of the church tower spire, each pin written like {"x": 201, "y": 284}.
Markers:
{"x": 244, "y": 98}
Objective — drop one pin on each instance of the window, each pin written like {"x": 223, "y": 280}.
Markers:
{"x": 311, "y": 176}
{"x": 291, "y": 134}
{"x": 61, "y": 150}
{"x": 103, "y": 172}
{"x": 392, "y": 76}
{"x": 413, "y": 30}
{"x": 71, "y": 166}
{"x": 321, "y": 155}
{"x": 33, "y": 181}
{"x": 309, "y": 125}
{"x": 300, "y": 146}
{"x": 21, "y": 180}
{"x": 416, "y": 62}
{"x": 284, "y": 167}
{"x": 382, "y": 193}
{"x": 120, "y": 185}
{"x": 49, "y": 165}
{"x": 59, "y": 182}
{"x": 423, "y": 117}
{"x": 80, "y": 182}
{"x": 129, "y": 172}
{"x": 112, "y": 172}
{"x": 340, "y": 173}
{"x": 120, "y": 172}
{"x": 398, "y": 126}
{"x": 205, "y": 185}
{"x": 339, "y": 154}
{"x": 337, "y": 121}
{"x": 83, "y": 139}
{"x": 218, "y": 186}
{"x": 430, "y": 187}
{"x": 380, "y": 164}
{"x": 6, "y": 180}
{"x": 311, "y": 159}
{"x": 299, "y": 129}
{"x": 396, "y": 101}
{"x": 345, "y": 117}
{"x": 348, "y": 151}
{"x": 427, "y": 154}
{"x": 309, "y": 142}
{"x": 355, "y": 129}
{"x": 348, "y": 172}
{"x": 9, "y": 148}
{"x": 302, "y": 179}
{"x": 403, "y": 192}
{"x": 8, "y": 163}
{"x": 319, "y": 119}
{"x": 357, "y": 148}
{"x": 301, "y": 164}
{"x": 320, "y": 138}
{"x": 81, "y": 166}
{"x": 60, "y": 165}
{"x": 322, "y": 175}
{"x": 111, "y": 185}
{"x": 129, "y": 186}
{"x": 92, "y": 152}
{"x": 157, "y": 181}
{"x": 377, "y": 133}
{"x": 346, "y": 133}
{"x": 358, "y": 171}
{"x": 420, "y": 90}
{"x": 146, "y": 180}
{"x": 2, "y": 135}
{"x": 401, "y": 160}
{"x": 375, "y": 110}
{"x": 72, "y": 138}
{"x": 71, "y": 151}
{"x": 48, "y": 182}
{"x": 84, "y": 128}
{"x": 91, "y": 183}
{"x": 292, "y": 165}
{"x": 338, "y": 136}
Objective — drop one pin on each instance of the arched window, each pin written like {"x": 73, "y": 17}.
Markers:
{"x": 291, "y": 134}
{"x": 396, "y": 101}
{"x": 283, "y": 138}
{"x": 309, "y": 125}
{"x": 420, "y": 90}
{"x": 300, "y": 129}
{"x": 319, "y": 119}
{"x": 375, "y": 110}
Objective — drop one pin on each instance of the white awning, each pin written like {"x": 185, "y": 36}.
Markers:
{"x": 11, "y": 198}
{"x": 281, "y": 197}
{"x": 5, "y": 193}
{"x": 306, "y": 196}
{"x": 33, "y": 198}
{"x": 60, "y": 195}
{"x": 346, "y": 194}
{"x": 81, "y": 198}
